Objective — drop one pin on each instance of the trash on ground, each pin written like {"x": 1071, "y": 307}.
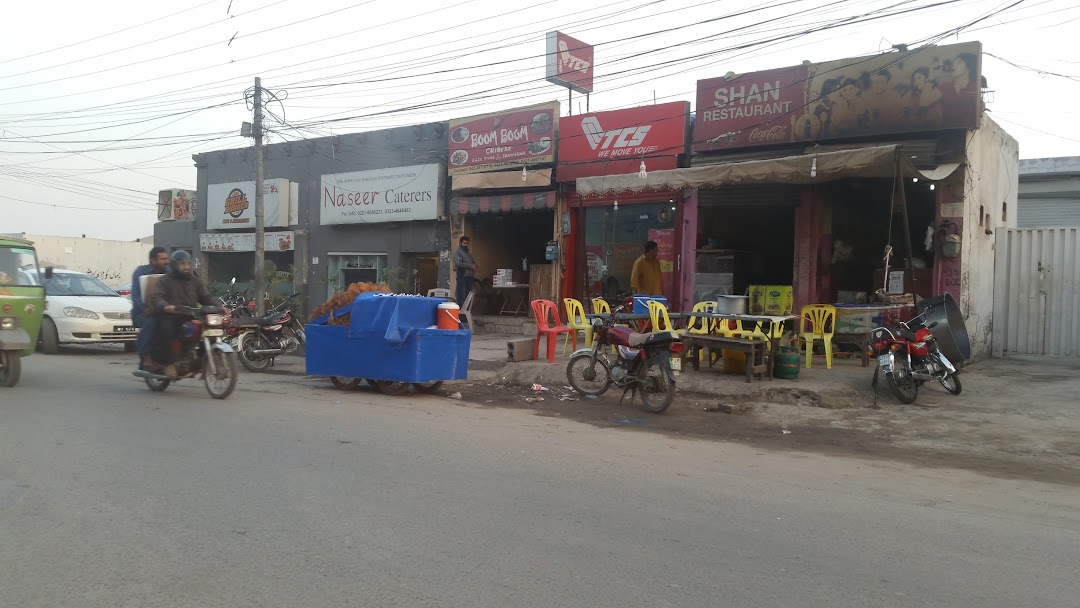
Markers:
{"x": 786, "y": 432}
{"x": 538, "y": 388}
{"x": 456, "y": 395}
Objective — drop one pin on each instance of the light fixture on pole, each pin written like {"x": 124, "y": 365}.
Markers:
{"x": 642, "y": 173}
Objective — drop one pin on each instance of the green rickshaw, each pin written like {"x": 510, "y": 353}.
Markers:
{"x": 22, "y": 304}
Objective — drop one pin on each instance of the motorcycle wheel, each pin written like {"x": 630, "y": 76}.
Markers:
{"x": 427, "y": 387}
{"x": 586, "y": 378}
{"x": 158, "y": 385}
{"x": 10, "y": 368}
{"x": 252, "y": 362}
{"x": 345, "y": 384}
{"x": 902, "y": 385}
{"x": 657, "y": 390}
{"x": 221, "y": 384}
{"x": 389, "y": 387}
{"x": 952, "y": 383}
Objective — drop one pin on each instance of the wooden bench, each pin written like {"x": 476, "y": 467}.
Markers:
{"x": 755, "y": 349}
{"x": 860, "y": 339}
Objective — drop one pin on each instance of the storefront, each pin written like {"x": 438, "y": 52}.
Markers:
{"x": 608, "y": 231}
{"x": 504, "y": 201}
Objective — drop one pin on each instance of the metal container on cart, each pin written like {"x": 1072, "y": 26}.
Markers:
{"x": 389, "y": 342}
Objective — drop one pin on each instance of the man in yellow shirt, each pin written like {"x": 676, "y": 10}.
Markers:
{"x": 646, "y": 278}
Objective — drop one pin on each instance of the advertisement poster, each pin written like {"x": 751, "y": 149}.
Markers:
{"x": 244, "y": 242}
{"x": 514, "y": 138}
{"x": 927, "y": 89}
{"x": 233, "y": 205}
{"x": 397, "y": 194}
{"x": 614, "y": 143}
{"x": 665, "y": 241}
{"x": 569, "y": 62}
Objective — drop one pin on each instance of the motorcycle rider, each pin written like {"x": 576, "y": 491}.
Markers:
{"x": 178, "y": 288}
{"x": 159, "y": 262}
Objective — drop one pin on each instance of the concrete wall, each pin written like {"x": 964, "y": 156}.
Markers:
{"x": 304, "y": 162}
{"x": 990, "y": 187}
{"x": 113, "y": 262}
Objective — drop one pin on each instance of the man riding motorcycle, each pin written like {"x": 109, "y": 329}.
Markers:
{"x": 178, "y": 288}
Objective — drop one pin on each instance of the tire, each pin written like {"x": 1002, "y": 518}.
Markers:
{"x": 904, "y": 388}
{"x": 129, "y": 347}
{"x": 952, "y": 383}
{"x": 389, "y": 387}
{"x": 250, "y": 342}
{"x": 49, "y": 337}
{"x": 157, "y": 385}
{"x": 10, "y": 368}
{"x": 586, "y": 378}
{"x": 345, "y": 384}
{"x": 223, "y": 383}
{"x": 657, "y": 390}
{"x": 427, "y": 387}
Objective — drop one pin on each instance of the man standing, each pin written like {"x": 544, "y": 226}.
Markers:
{"x": 465, "y": 267}
{"x": 159, "y": 260}
{"x": 646, "y": 277}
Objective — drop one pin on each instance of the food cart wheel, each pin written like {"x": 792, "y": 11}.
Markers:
{"x": 389, "y": 387}
{"x": 345, "y": 384}
{"x": 427, "y": 387}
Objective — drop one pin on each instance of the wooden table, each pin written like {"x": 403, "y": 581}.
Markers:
{"x": 514, "y": 297}
{"x": 770, "y": 320}
{"x": 752, "y": 347}
{"x": 640, "y": 321}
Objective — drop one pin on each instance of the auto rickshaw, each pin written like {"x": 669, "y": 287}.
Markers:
{"x": 22, "y": 305}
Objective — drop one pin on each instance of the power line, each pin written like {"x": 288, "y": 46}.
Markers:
{"x": 54, "y": 205}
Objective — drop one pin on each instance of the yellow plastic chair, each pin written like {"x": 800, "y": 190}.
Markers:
{"x": 600, "y": 306}
{"x": 658, "y": 317}
{"x": 698, "y": 325}
{"x": 576, "y": 321}
{"x": 822, "y": 325}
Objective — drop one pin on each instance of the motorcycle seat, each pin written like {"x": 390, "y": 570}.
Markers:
{"x": 659, "y": 337}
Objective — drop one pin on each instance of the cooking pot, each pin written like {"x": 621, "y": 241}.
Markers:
{"x": 732, "y": 305}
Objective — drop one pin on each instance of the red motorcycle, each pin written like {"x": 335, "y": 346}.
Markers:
{"x": 645, "y": 363}
{"x": 922, "y": 349}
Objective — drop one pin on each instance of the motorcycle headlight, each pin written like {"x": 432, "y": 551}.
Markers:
{"x": 9, "y": 323}
{"x": 80, "y": 313}
{"x": 215, "y": 320}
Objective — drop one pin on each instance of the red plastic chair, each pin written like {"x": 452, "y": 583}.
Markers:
{"x": 543, "y": 310}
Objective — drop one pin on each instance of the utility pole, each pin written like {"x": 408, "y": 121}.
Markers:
{"x": 260, "y": 228}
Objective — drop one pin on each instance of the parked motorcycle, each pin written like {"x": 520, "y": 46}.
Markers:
{"x": 922, "y": 349}
{"x": 203, "y": 352}
{"x": 644, "y": 363}
{"x": 280, "y": 332}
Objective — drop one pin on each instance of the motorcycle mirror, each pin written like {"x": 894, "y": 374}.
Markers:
{"x": 232, "y": 282}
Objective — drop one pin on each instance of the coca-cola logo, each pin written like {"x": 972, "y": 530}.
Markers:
{"x": 777, "y": 133}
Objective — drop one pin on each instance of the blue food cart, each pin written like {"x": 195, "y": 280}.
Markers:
{"x": 390, "y": 341}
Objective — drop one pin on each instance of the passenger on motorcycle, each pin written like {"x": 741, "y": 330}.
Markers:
{"x": 178, "y": 288}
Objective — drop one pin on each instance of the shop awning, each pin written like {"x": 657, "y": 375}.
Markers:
{"x": 503, "y": 203}
{"x": 811, "y": 168}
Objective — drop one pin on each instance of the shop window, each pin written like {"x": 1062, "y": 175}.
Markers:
{"x": 348, "y": 268}
{"x": 614, "y": 240}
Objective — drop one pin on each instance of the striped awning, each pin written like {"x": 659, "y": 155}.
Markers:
{"x": 504, "y": 203}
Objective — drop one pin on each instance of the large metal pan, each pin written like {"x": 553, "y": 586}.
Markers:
{"x": 946, "y": 322}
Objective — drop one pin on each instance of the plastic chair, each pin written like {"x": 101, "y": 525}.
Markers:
{"x": 438, "y": 293}
{"x": 700, "y": 325}
{"x": 822, "y": 320}
{"x": 466, "y": 310}
{"x": 543, "y": 310}
{"x": 657, "y": 314}
{"x": 600, "y": 306}
{"x": 577, "y": 321}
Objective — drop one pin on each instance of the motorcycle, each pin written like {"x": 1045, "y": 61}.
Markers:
{"x": 911, "y": 354}
{"x": 203, "y": 352}
{"x": 261, "y": 340}
{"x": 644, "y": 363}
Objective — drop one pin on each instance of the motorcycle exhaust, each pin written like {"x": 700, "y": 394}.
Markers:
{"x": 268, "y": 352}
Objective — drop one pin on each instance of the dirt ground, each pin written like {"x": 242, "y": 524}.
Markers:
{"x": 1016, "y": 418}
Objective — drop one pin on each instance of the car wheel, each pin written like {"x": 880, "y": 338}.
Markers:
{"x": 49, "y": 338}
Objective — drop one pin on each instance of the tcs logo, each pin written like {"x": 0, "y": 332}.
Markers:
{"x": 599, "y": 139}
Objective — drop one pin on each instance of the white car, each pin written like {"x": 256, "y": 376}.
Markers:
{"x": 80, "y": 309}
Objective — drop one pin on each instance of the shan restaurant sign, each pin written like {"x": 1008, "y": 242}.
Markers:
{"x": 397, "y": 194}
{"x": 929, "y": 89}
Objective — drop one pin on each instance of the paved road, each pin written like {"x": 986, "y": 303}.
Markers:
{"x": 290, "y": 494}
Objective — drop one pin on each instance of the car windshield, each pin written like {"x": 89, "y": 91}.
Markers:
{"x": 18, "y": 267}
{"x": 64, "y": 284}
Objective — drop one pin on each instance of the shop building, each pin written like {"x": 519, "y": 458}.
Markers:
{"x": 806, "y": 176}
{"x": 358, "y": 207}
{"x": 504, "y": 199}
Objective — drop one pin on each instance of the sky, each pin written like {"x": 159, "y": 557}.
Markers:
{"x": 104, "y": 106}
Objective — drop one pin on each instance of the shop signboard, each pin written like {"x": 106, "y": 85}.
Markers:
{"x": 665, "y": 252}
{"x": 569, "y": 62}
{"x": 176, "y": 205}
{"x": 245, "y": 241}
{"x": 616, "y": 142}
{"x": 514, "y": 138}
{"x": 928, "y": 89}
{"x": 396, "y": 194}
{"x": 232, "y": 205}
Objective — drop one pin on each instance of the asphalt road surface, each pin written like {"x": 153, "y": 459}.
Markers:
{"x": 293, "y": 494}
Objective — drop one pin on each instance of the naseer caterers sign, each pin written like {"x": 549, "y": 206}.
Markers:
{"x": 232, "y": 205}
{"x": 397, "y": 194}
